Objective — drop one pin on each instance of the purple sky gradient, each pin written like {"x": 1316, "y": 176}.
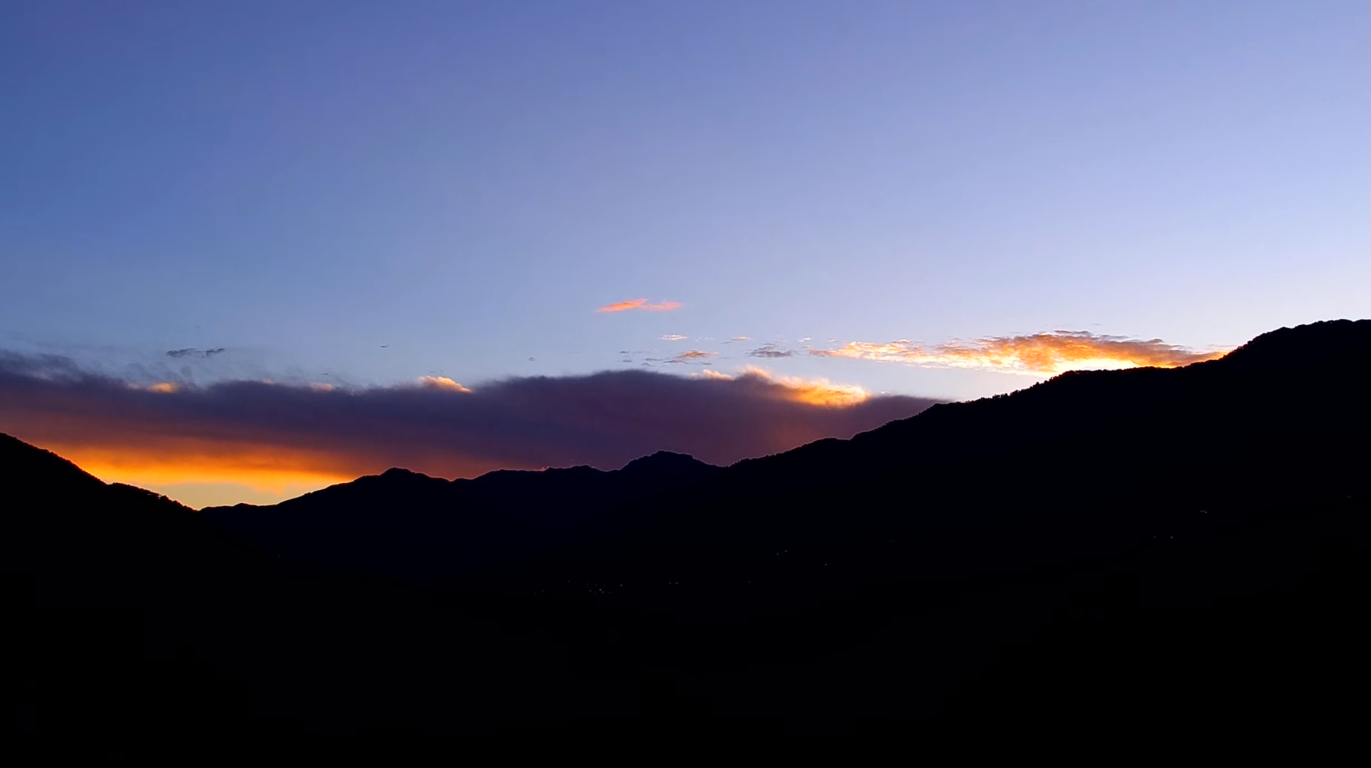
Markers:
{"x": 367, "y": 193}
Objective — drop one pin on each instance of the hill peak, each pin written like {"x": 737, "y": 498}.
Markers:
{"x": 1327, "y": 341}
{"x": 664, "y": 461}
{"x": 20, "y": 459}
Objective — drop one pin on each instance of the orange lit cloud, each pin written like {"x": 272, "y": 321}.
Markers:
{"x": 443, "y": 382}
{"x": 1039, "y": 353}
{"x": 820, "y": 392}
{"x": 642, "y": 304}
{"x": 278, "y": 438}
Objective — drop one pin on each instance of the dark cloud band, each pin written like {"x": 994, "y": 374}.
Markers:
{"x": 604, "y": 419}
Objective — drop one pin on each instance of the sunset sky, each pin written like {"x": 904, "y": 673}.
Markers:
{"x": 251, "y": 248}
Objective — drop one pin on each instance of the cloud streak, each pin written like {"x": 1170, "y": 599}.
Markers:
{"x": 194, "y": 352}
{"x": 266, "y": 435}
{"x": 771, "y": 351}
{"x": 692, "y": 355}
{"x": 1039, "y": 353}
{"x": 641, "y": 304}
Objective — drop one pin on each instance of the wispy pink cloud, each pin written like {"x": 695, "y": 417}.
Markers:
{"x": 641, "y": 304}
{"x": 693, "y": 354}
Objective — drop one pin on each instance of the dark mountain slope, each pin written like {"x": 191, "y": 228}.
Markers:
{"x": 1306, "y": 379}
{"x": 1281, "y": 415}
{"x": 118, "y": 603}
{"x": 1119, "y": 454}
{"x": 1140, "y": 555}
{"x": 136, "y": 629}
{"x": 1224, "y": 501}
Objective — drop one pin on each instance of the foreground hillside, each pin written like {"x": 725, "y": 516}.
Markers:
{"x": 1128, "y": 553}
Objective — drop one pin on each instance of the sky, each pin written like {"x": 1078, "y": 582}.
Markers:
{"x": 893, "y": 203}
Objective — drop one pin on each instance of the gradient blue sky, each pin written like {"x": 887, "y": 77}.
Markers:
{"x": 301, "y": 183}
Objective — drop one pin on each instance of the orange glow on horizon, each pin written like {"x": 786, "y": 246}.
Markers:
{"x": 200, "y": 481}
{"x": 172, "y": 461}
{"x": 265, "y": 470}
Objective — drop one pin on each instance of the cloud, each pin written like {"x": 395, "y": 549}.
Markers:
{"x": 673, "y": 337}
{"x": 277, "y": 436}
{"x": 1039, "y": 353}
{"x": 809, "y": 391}
{"x": 771, "y": 351}
{"x": 642, "y": 304}
{"x": 691, "y": 356}
{"x": 442, "y": 382}
{"x": 194, "y": 352}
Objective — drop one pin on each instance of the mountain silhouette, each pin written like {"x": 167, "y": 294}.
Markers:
{"x": 1125, "y": 555}
{"x": 403, "y": 523}
{"x": 118, "y": 602}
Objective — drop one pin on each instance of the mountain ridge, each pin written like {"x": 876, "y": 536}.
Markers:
{"x": 1272, "y": 350}
{"x": 1128, "y": 553}
{"x": 1121, "y": 411}
{"x": 428, "y": 527}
